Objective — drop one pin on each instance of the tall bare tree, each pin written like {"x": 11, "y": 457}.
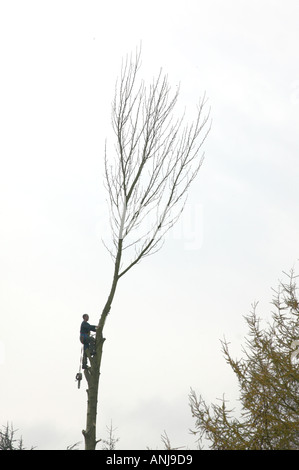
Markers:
{"x": 156, "y": 159}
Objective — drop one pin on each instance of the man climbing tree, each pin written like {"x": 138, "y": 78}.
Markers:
{"x": 157, "y": 157}
{"x": 87, "y": 340}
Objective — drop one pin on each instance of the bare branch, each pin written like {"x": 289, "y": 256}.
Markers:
{"x": 157, "y": 159}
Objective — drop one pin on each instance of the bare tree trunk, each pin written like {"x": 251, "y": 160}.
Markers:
{"x": 92, "y": 378}
{"x": 92, "y": 374}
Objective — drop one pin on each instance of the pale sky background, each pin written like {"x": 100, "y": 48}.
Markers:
{"x": 59, "y": 63}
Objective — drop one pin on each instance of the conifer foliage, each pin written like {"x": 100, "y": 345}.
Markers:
{"x": 268, "y": 377}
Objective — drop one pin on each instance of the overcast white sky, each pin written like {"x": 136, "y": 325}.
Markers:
{"x": 59, "y": 62}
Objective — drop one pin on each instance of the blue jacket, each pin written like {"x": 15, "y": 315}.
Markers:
{"x": 86, "y": 328}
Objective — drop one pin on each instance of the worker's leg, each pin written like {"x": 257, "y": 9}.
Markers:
{"x": 84, "y": 359}
{"x": 85, "y": 341}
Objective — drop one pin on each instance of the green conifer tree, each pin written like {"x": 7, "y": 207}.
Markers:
{"x": 268, "y": 377}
